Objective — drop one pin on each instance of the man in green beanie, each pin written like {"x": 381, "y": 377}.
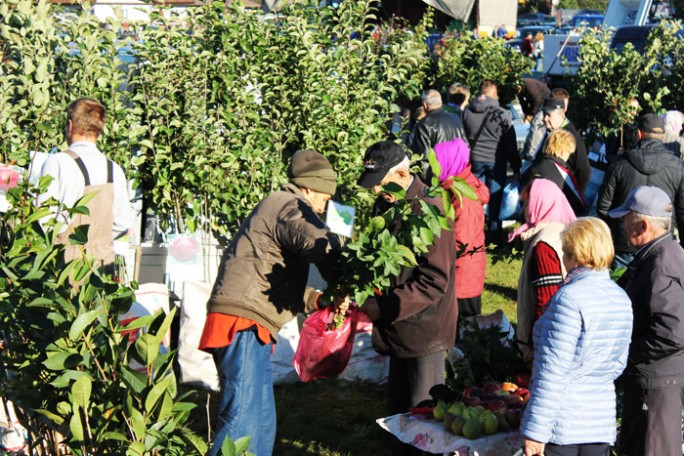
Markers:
{"x": 260, "y": 286}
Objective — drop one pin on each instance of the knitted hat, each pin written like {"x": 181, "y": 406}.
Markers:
{"x": 310, "y": 169}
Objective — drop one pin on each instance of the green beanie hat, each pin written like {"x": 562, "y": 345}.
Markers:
{"x": 310, "y": 169}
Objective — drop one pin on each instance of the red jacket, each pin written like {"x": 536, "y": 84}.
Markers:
{"x": 470, "y": 238}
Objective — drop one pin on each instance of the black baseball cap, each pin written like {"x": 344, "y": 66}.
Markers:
{"x": 378, "y": 159}
{"x": 651, "y": 123}
{"x": 551, "y": 104}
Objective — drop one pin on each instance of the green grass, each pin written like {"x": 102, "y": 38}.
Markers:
{"x": 337, "y": 418}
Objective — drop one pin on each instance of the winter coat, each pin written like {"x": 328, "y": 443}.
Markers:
{"x": 581, "y": 344}
{"x": 264, "y": 271}
{"x": 532, "y": 95}
{"x": 559, "y": 172}
{"x": 436, "y": 127}
{"x": 654, "y": 282}
{"x": 650, "y": 164}
{"x": 579, "y": 161}
{"x": 496, "y": 142}
{"x": 470, "y": 238}
{"x": 419, "y": 312}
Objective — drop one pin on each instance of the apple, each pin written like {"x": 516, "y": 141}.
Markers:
{"x": 508, "y": 386}
{"x": 513, "y": 418}
{"x": 491, "y": 387}
{"x": 502, "y": 393}
{"x": 467, "y": 392}
{"x": 496, "y": 405}
{"x": 456, "y": 408}
{"x": 524, "y": 394}
{"x": 472, "y": 401}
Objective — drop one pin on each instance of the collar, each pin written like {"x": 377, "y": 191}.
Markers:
{"x": 646, "y": 248}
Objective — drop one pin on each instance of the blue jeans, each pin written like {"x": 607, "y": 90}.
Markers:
{"x": 247, "y": 404}
{"x": 494, "y": 177}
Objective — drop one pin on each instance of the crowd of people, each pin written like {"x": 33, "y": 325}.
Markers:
{"x": 580, "y": 332}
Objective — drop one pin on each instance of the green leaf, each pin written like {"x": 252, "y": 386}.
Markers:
{"x": 135, "y": 380}
{"x": 136, "y": 449}
{"x": 50, "y": 416}
{"x": 81, "y": 323}
{"x": 137, "y": 423}
{"x": 76, "y": 427}
{"x": 80, "y": 392}
{"x": 57, "y": 361}
{"x": 147, "y": 347}
{"x": 155, "y": 393}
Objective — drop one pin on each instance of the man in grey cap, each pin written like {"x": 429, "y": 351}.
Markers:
{"x": 654, "y": 379}
{"x": 414, "y": 322}
{"x": 651, "y": 163}
{"x": 260, "y": 286}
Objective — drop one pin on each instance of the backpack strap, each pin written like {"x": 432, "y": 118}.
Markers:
{"x": 490, "y": 110}
{"x": 110, "y": 171}
{"x": 80, "y": 164}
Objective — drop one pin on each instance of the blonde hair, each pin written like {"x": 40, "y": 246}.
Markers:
{"x": 559, "y": 142}
{"x": 588, "y": 241}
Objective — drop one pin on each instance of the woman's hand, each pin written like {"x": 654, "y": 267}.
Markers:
{"x": 534, "y": 448}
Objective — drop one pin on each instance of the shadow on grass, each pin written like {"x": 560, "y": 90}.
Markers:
{"x": 508, "y": 292}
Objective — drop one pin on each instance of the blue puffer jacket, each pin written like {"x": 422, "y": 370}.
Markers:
{"x": 581, "y": 345}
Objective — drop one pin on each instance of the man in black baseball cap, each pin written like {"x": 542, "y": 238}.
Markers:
{"x": 414, "y": 321}
{"x": 385, "y": 162}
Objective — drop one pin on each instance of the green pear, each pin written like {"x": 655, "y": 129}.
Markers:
{"x": 440, "y": 410}
{"x": 457, "y": 425}
{"x": 472, "y": 429}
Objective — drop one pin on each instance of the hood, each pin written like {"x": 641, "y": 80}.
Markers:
{"x": 481, "y": 103}
{"x": 650, "y": 158}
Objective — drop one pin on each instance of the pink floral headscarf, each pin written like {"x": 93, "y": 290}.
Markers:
{"x": 546, "y": 203}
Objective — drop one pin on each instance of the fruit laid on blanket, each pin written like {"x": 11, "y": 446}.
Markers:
{"x": 440, "y": 410}
{"x": 472, "y": 429}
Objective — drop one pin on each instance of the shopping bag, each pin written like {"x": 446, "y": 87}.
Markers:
{"x": 323, "y": 353}
{"x": 510, "y": 201}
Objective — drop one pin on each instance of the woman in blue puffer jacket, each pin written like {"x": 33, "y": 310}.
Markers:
{"x": 581, "y": 344}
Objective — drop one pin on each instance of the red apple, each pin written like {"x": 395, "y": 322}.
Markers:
{"x": 467, "y": 392}
{"x": 491, "y": 387}
{"x": 472, "y": 401}
{"x": 496, "y": 404}
{"x": 524, "y": 394}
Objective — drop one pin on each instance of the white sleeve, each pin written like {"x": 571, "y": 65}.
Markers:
{"x": 121, "y": 205}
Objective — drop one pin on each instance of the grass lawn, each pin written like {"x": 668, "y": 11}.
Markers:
{"x": 337, "y": 418}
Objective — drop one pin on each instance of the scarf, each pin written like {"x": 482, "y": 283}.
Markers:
{"x": 453, "y": 157}
{"x": 547, "y": 203}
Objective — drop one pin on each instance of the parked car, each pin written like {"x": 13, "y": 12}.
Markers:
{"x": 635, "y": 34}
{"x": 535, "y": 19}
{"x": 588, "y": 20}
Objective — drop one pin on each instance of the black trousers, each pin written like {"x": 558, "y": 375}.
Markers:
{"x": 584, "y": 449}
{"x": 469, "y": 307}
{"x": 409, "y": 383}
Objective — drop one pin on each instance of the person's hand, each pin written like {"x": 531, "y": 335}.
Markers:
{"x": 341, "y": 304}
{"x": 371, "y": 308}
{"x": 534, "y": 448}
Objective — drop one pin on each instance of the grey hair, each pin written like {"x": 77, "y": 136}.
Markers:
{"x": 432, "y": 99}
{"x": 404, "y": 164}
{"x": 664, "y": 223}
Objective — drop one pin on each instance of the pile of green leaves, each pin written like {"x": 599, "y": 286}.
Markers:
{"x": 67, "y": 356}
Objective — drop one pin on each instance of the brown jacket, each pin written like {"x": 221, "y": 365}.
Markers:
{"x": 264, "y": 271}
{"x": 419, "y": 313}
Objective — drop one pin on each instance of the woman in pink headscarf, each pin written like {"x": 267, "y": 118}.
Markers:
{"x": 547, "y": 213}
{"x": 469, "y": 233}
